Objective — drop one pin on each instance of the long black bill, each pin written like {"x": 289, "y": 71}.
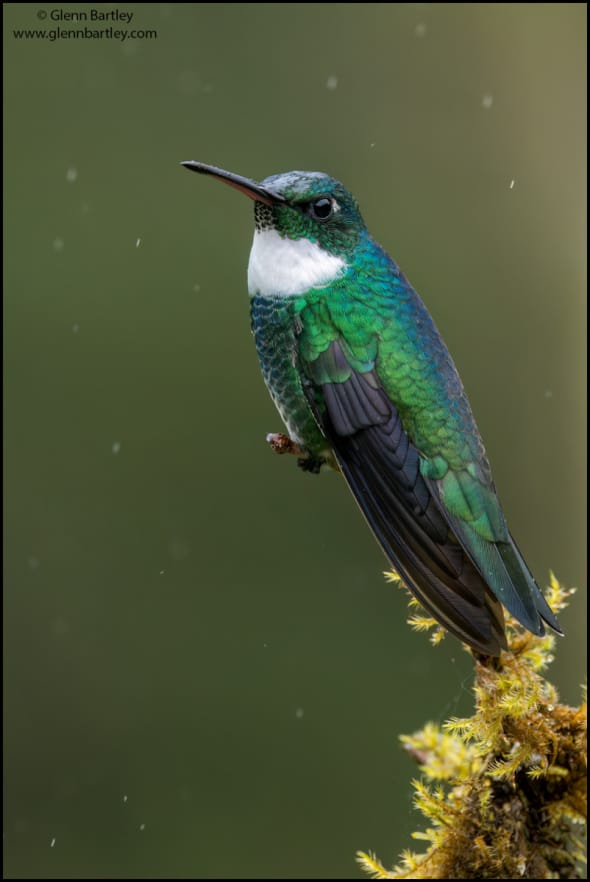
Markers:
{"x": 251, "y": 188}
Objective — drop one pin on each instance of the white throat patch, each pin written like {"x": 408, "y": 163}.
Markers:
{"x": 282, "y": 267}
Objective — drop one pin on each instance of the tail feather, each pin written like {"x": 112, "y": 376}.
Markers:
{"x": 543, "y": 608}
{"x": 424, "y": 552}
{"x": 503, "y": 567}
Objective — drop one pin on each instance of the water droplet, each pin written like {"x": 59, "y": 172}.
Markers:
{"x": 487, "y": 101}
{"x": 332, "y": 83}
{"x": 116, "y": 447}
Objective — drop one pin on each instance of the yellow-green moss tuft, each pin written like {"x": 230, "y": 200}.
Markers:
{"x": 505, "y": 789}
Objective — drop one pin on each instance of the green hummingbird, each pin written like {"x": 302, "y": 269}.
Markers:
{"x": 365, "y": 385}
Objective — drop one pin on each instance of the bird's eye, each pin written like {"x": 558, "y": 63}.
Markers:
{"x": 321, "y": 209}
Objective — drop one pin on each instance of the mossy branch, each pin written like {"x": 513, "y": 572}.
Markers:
{"x": 505, "y": 789}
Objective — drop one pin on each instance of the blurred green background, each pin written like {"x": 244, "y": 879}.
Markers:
{"x": 205, "y": 672}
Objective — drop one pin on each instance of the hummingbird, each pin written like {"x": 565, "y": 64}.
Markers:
{"x": 366, "y": 386}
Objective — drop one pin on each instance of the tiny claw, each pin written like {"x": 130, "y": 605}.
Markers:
{"x": 283, "y": 444}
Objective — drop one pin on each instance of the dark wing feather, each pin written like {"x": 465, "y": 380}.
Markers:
{"x": 382, "y": 468}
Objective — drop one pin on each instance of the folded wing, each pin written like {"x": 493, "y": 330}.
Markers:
{"x": 457, "y": 574}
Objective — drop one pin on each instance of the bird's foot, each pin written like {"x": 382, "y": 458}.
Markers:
{"x": 281, "y": 443}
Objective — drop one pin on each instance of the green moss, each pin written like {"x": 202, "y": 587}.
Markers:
{"x": 505, "y": 789}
